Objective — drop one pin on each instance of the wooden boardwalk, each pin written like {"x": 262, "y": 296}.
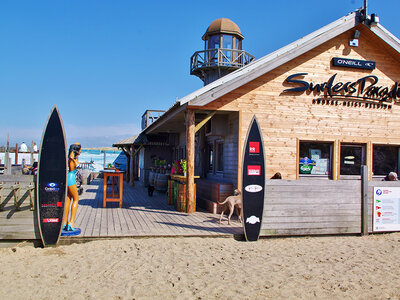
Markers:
{"x": 142, "y": 215}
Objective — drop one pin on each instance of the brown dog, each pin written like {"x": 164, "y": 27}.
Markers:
{"x": 231, "y": 203}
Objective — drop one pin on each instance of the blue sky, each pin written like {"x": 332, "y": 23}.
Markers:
{"x": 103, "y": 63}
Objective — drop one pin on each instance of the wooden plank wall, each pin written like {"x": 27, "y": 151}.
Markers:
{"x": 230, "y": 150}
{"x": 230, "y": 155}
{"x": 17, "y": 224}
{"x": 311, "y": 207}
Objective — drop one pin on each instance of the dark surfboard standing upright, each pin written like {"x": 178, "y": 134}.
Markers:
{"x": 52, "y": 179}
{"x": 253, "y": 181}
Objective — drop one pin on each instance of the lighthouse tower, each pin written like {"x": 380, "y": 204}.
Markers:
{"x": 222, "y": 52}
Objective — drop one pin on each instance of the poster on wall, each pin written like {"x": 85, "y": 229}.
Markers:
{"x": 321, "y": 167}
{"x": 386, "y": 209}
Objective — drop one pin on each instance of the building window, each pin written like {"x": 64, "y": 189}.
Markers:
{"x": 210, "y": 157}
{"x": 352, "y": 157}
{"x": 215, "y": 157}
{"x": 315, "y": 158}
{"x": 214, "y": 42}
{"x": 385, "y": 160}
{"x": 220, "y": 157}
{"x": 227, "y": 41}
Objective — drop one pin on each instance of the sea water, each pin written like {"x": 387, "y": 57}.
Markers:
{"x": 114, "y": 157}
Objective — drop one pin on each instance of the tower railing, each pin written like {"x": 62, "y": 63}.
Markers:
{"x": 219, "y": 57}
{"x": 150, "y": 116}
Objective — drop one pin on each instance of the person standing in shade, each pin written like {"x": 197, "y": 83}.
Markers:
{"x": 73, "y": 163}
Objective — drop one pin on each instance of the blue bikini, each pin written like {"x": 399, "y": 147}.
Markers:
{"x": 71, "y": 177}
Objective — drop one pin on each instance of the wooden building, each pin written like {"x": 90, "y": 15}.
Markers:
{"x": 326, "y": 103}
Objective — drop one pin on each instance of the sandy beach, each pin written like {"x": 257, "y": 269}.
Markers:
{"x": 206, "y": 268}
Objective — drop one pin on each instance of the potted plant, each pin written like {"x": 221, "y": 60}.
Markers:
{"x": 183, "y": 166}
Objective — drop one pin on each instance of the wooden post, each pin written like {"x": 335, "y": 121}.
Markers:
{"x": 16, "y": 154}
{"x": 7, "y": 162}
{"x": 240, "y": 147}
{"x": 132, "y": 167}
{"x": 190, "y": 143}
{"x": 31, "y": 162}
{"x": 364, "y": 198}
{"x": 128, "y": 164}
{"x": 369, "y": 159}
{"x": 336, "y": 162}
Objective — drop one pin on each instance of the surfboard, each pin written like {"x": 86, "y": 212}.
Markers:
{"x": 52, "y": 179}
{"x": 253, "y": 182}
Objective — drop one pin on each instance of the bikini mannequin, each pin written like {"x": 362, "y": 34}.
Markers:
{"x": 74, "y": 152}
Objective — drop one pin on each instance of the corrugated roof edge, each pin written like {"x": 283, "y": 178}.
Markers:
{"x": 125, "y": 142}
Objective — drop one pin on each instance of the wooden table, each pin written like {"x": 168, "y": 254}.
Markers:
{"x": 181, "y": 178}
{"x": 113, "y": 197}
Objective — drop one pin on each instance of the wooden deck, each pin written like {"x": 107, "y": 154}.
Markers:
{"x": 142, "y": 215}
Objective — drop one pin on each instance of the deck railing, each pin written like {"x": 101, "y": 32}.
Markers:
{"x": 219, "y": 57}
{"x": 150, "y": 116}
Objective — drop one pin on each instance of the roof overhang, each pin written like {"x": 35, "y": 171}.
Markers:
{"x": 386, "y": 36}
{"x": 169, "y": 122}
{"x": 126, "y": 142}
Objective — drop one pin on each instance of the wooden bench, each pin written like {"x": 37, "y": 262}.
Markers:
{"x": 209, "y": 193}
{"x": 31, "y": 189}
{"x": 18, "y": 188}
{"x": 15, "y": 190}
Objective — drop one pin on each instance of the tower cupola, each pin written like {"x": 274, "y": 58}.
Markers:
{"x": 222, "y": 52}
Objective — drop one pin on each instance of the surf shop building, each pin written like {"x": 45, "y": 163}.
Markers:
{"x": 326, "y": 104}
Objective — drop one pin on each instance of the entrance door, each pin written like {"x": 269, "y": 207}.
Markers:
{"x": 352, "y": 157}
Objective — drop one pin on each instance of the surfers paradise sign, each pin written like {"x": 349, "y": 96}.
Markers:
{"x": 365, "y": 88}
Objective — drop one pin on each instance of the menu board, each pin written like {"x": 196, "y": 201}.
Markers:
{"x": 386, "y": 209}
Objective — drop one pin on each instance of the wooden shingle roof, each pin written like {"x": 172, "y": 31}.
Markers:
{"x": 126, "y": 142}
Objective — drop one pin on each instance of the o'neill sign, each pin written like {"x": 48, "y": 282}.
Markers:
{"x": 353, "y": 63}
{"x": 365, "y": 88}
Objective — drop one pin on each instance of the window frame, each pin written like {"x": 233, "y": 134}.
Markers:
{"x": 331, "y": 157}
{"x": 363, "y": 162}
{"x": 373, "y": 160}
{"x": 213, "y": 145}
{"x": 210, "y": 161}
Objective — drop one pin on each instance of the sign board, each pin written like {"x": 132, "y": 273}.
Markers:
{"x": 386, "y": 209}
{"x": 353, "y": 63}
